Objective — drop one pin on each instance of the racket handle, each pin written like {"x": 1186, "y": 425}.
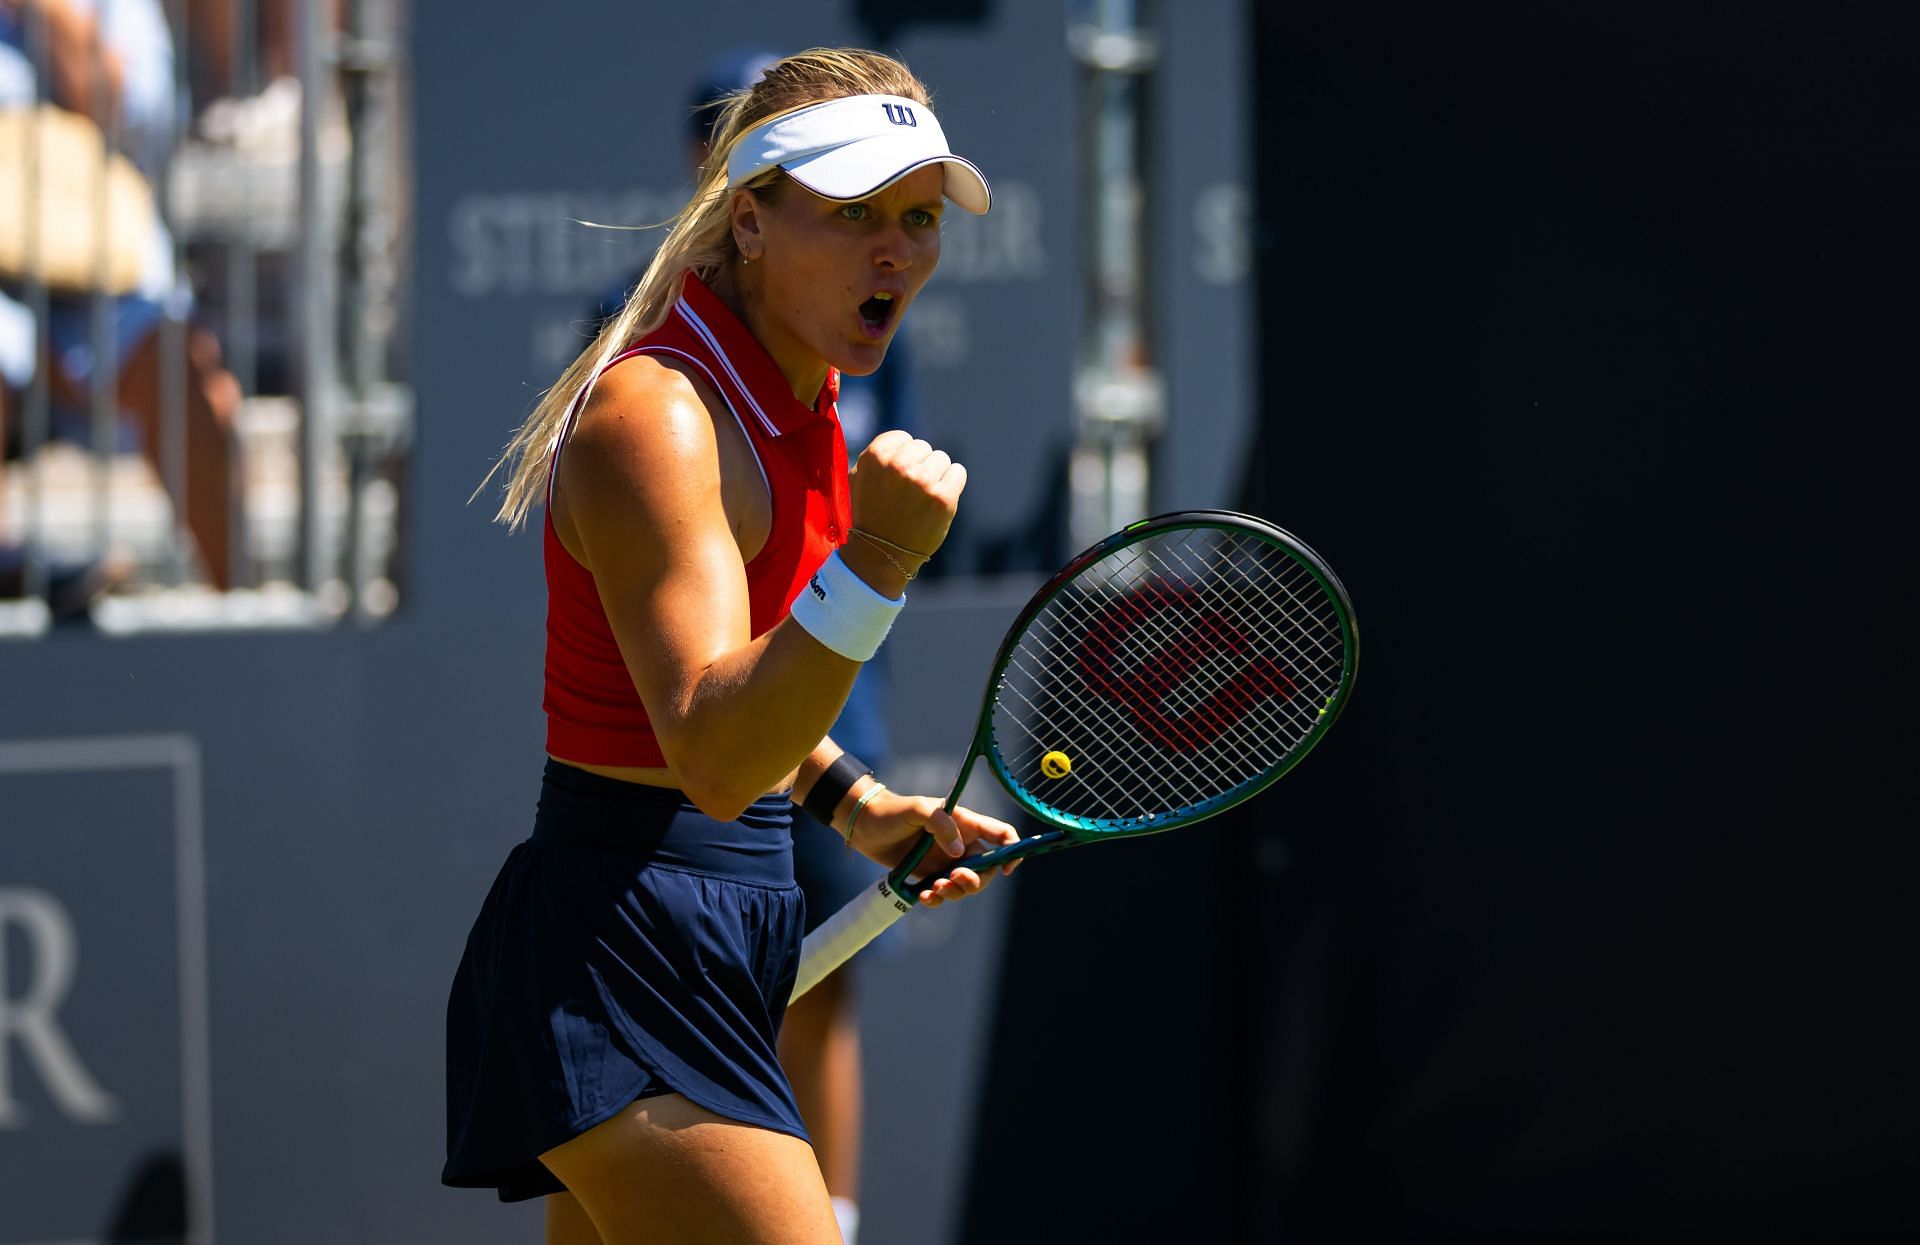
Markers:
{"x": 845, "y": 932}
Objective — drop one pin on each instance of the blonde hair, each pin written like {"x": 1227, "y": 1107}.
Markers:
{"x": 699, "y": 239}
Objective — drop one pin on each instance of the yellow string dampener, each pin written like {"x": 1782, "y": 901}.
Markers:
{"x": 1055, "y": 764}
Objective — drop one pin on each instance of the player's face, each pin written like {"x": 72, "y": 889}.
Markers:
{"x": 836, "y": 278}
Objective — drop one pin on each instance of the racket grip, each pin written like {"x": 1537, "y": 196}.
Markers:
{"x": 845, "y": 932}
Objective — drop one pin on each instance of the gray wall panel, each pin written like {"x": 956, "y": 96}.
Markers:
{"x": 352, "y": 819}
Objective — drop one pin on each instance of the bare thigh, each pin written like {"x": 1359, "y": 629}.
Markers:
{"x": 666, "y": 1172}
{"x": 567, "y": 1222}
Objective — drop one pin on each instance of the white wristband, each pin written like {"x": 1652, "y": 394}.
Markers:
{"x": 843, "y": 612}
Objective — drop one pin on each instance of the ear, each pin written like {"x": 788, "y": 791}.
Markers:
{"x": 747, "y": 238}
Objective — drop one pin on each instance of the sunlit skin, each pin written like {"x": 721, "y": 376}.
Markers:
{"x": 808, "y": 264}
{"x": 652, "y": 449}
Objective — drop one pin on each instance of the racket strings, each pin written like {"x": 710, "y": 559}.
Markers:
{"x": 1288, "y": 581}
{"x": 1300, "y": 630}
{"x": 1117, "y": 769}
{"x": 1156, "y": 681}
{"x": 1212, "y": 763}
{"x": 1209, "y": 772}
{"x": 1115, "y": 777}
{"x": 1171, "y": 672}
{"x": 1105, "y": 774}
{"x": 1209, "y": 620}
{"x": 1207, "y": 613}
{"x": 1191, "y": 676}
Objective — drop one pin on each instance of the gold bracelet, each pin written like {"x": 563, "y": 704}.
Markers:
{"x": 881, "y": 540}
{"x": 887, "y": 549}
{"x": 860, "y": 804}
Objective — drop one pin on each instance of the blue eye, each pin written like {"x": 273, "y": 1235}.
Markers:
{"x": 921, "y": 218}
{"x": 854, "y": 211}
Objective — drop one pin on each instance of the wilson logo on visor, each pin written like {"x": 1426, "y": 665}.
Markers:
{"x": 900, "y": 114}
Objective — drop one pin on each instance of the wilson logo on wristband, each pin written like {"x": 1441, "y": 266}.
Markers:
{"x": 843, "y": 612}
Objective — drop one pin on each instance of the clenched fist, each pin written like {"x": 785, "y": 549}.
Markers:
{"x": 904, "y": 492}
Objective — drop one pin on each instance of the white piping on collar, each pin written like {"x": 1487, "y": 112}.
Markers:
{"x": 713, "y": 343}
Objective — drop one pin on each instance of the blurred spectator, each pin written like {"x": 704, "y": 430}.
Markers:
{"x": 112, "y": 61}
{"x": 71, "y": 587}
{"x": 256, "y": 99}
{"x": 211, "y": 26}
{"x": 237, "y": 190}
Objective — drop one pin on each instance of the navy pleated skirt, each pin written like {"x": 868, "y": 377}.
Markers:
{"x": 633, "y": 946}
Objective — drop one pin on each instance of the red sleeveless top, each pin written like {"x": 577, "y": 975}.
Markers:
{"x": 594, "y": 716}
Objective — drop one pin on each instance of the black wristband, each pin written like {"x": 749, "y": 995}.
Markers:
{"x": 833, "y": 786}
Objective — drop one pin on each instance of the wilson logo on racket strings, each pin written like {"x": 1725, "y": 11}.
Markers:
{"x": 1142, "y": 672}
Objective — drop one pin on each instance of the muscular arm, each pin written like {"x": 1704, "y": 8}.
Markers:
{"x": 734, "y": 715}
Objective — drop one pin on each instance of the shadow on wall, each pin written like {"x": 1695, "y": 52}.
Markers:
{"x": 153, "y": 1209}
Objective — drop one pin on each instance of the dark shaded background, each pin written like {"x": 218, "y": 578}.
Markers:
{"x": 1587, "y": 350}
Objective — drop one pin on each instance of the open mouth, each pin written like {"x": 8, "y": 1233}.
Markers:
{"x": 876, "y": 314}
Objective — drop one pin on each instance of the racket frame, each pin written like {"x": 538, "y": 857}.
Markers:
{"x": 893, "y": 896}
{"x": 1070, "y": 830}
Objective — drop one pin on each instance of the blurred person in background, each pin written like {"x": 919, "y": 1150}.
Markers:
{"x": 612, "y": 1028}
{"x": 71, "y": 587}
{"x": 120, "y": 53}
{"x": 820, "y": 1041}
{"x": 211, "y": 26}
{"x": 257, "y": 105}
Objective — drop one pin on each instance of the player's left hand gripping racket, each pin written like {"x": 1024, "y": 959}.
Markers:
{"x": 1172, "y": 671}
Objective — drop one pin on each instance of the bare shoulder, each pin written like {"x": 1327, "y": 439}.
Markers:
{"x": 647, "y": 405}
{"x": 643, "y": 450}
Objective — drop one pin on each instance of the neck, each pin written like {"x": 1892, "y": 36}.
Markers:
{"x": 738, "y": 287}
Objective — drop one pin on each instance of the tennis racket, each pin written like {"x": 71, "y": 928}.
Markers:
{"x": 1172, "y": 671}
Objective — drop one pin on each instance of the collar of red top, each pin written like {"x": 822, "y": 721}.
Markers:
{"x": 749, "y": 364}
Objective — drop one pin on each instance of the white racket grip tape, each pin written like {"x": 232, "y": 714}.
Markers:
{"x": 863, "y": 919}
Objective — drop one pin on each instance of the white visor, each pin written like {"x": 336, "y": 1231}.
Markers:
{"x": 853, "y": 147}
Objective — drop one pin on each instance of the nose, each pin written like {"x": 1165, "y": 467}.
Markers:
{"x": 893, "y": 249}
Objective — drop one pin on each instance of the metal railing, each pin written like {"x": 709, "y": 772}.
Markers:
{"x": 1119, "y": 397}
{"x": 221, "y": 438}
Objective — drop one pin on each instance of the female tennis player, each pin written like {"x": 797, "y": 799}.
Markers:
{"x": 715, "y": 579}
